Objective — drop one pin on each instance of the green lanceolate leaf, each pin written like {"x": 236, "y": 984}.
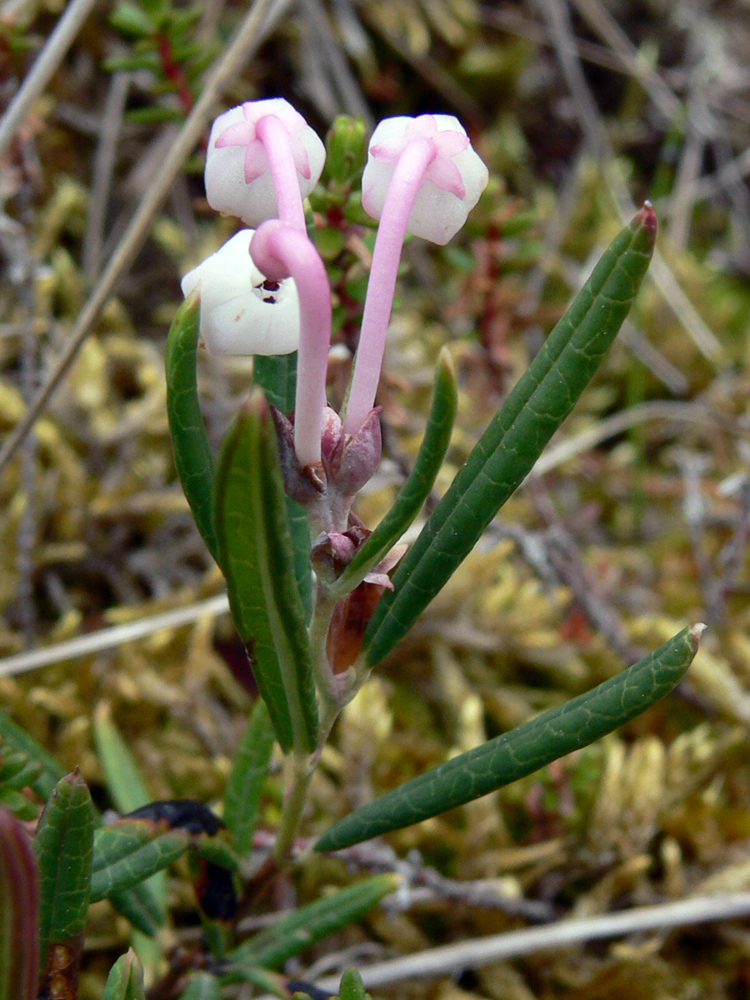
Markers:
{"x": 131, "y": 851}
{"x": 507, "y": 450}
{"x": 44, "y": 781}
{"x": 524, "y": 749}
{"x": 193, "y": 457}
{"x": 203, "y": 986}
{"x": 255, "y": 553}
{"x": 417, "y": 487}
{"x": 125, "y": 980}
{"x": 64, "y": 847}
{"x": 249, "y": 771}
{"x": 277, "y": 376}
{"x": 311, "y": 923}
{"x": 19, "y": 912}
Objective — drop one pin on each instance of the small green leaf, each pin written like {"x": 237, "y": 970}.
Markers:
{"x": 417, "y": 487}
{"x": 255, "y": 553}
{"x": 507, "y": 450}
{"x": 245, "y": 784}
{"x": 524, "y": 749}
{"x": 155, "y": 115}
{"x": 132, "y": 62}
{"x": 352, "y": 987}
{"x": 125, "y": 980}
{"x": 19, "y": 912}
{"x": 193, "y": 457}
{"x": 183, "y": 20}
{"x": 203, "y": 986}
{"x": 130, "y": 851}
{"x": 17, "y": 738}
{"x": 64, "y": 847}
{"x": 310, "y": 924}
{"x": 132, "y": 20}
{"x": 277, "y": 376}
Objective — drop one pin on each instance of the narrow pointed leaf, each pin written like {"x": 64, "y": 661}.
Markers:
{"x": 130, "y": 852}
{"x": 255, "y": 553}
{"x": 310, "y": 924}
{"x": 249, "y": 771}
{"x": 507, "y": 450}
{"x": 277, "y": 376}
{"x": 125, "y": 980}
{"x": 417, "y": 487}
{"x": 17, "y": 738}
{"x": 64, "y": 847}
{"x": 19, "y": 912}
{"x": 524, "y": 749}
{"x": 193, "y": 457}
{"x": 203, "y": 986}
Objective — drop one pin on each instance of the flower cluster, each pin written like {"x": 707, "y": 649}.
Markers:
{"x": 266, "y": 291}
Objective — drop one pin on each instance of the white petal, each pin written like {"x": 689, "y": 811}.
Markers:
{"x": 226, "y": 189}
{"x": 234, "y": 318}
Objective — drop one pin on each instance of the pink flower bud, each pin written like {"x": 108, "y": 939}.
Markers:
{"x": 262, "y": 160}
{"x": 241, "y": 311}
{"x": 452, "y": 182}
{"x": 422, "y": 177}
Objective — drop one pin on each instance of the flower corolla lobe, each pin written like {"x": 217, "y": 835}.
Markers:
{"x": 453, "y": 180}
{"x": 238, "y": 176}
{"x": 241, "y": 310}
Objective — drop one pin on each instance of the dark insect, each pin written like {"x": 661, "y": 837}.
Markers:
{"x": 181, "y": 814}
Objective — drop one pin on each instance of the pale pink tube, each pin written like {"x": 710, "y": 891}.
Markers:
{"x": 405, "y": 185}
{"x": 275, "y": 138}
{"x": 280, "y": 250}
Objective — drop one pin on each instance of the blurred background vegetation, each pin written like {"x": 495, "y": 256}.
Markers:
{"x": 635, "y": 524}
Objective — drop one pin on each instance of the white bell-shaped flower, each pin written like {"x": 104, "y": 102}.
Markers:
{"x": 452, "y": 182}
{"x": 245, "y": 155}
{"x": 241, "y": 311}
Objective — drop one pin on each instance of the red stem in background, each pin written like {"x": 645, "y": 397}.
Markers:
{"x": 174, "y": 72}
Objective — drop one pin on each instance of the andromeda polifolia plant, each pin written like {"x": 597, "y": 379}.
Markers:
{"x": 310, "y": 586}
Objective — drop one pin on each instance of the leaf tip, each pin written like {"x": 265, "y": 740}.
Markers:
{"x": 446, "y": 363}
{"x": 193, "y": 300}
{"x": 647, "y": 219}
{"x": 696, "y": 631}
{"x": 75, "y": 778}
{"x": 257, "y": 404}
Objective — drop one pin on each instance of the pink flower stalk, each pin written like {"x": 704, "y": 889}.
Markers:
{"x": 263, "y": 159}
{"x": 423, "y": 177}
{"x": 280, "y": 251}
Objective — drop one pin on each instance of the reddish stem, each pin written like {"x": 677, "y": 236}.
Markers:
{"x": 174, "y": 72}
